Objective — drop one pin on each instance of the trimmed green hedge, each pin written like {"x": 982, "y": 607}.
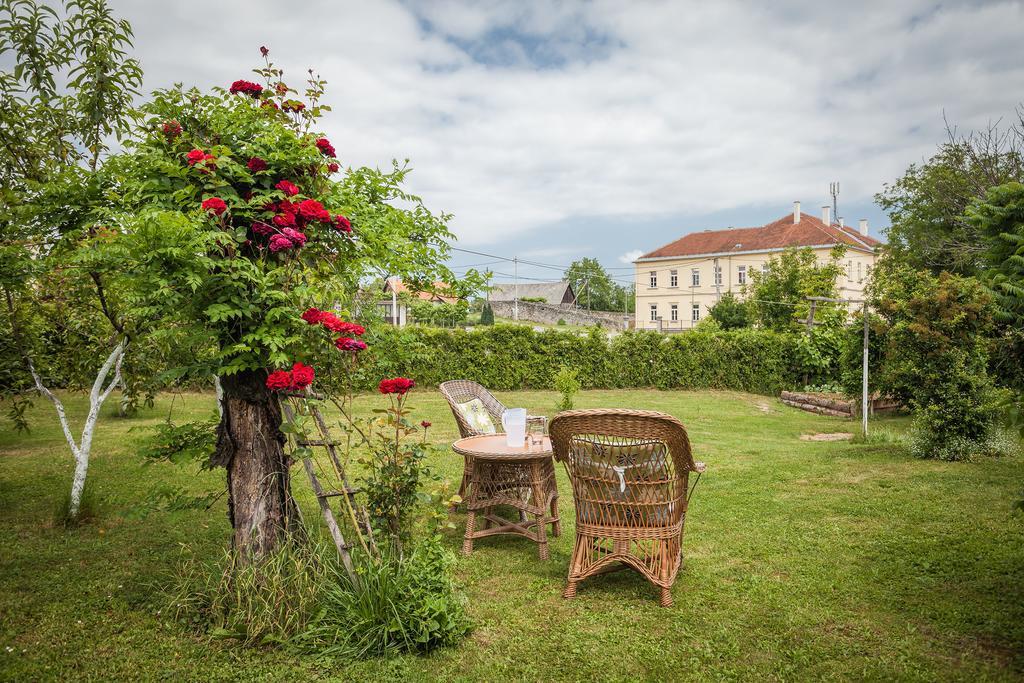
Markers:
{"x": 507, "y": 357}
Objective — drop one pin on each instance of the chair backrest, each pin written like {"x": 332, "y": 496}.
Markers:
{"x": 460, "y": 391}
{"x": 628, "y": 468}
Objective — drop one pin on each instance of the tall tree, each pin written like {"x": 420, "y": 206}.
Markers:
{"x": 70, "y": 90}
{"x": 778, "y": 297}
{"x": 927, "y": 206}
{"x": 595, "y": 288}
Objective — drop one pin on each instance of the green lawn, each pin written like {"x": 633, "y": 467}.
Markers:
{"x": 804, "y": 560}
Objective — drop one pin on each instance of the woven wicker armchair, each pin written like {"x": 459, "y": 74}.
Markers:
{"x": 459, "y": 391}
{"x": 629, "y": 471}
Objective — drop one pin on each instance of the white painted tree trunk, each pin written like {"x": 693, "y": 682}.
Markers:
{"x": 219, "y": 388}
{"x": 100, "y": 391}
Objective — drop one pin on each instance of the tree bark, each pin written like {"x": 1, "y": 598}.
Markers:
{"x": 250, "y": 445}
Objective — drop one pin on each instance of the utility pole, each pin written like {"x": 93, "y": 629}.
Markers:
{"x": 864, "y": 378}
{"x": 515, "y": 287}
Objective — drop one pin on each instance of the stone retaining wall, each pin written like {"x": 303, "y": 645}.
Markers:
{"x": 550, "y": 314}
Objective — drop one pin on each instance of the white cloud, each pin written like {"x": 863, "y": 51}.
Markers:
{"x": 631, "y": 256}
{"x": 611, "y": 108}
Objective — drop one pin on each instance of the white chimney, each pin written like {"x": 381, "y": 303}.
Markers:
{"x": 796, "y": 212}
{"x": 864, "y": 226}
{"x": 842, "y": 222}
{"x": 826, "y": 218}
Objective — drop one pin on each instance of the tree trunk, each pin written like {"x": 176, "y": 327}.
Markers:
{"x": 250, "y": 445}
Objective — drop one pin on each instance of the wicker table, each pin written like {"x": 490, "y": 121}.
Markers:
{"x": 521, "y": 478}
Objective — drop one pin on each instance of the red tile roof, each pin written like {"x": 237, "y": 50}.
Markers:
{"x": 780, "y": 234}
{"x": 401, "y": 288}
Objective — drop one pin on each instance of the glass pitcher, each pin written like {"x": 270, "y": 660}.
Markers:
{"x": 514, "y": 422}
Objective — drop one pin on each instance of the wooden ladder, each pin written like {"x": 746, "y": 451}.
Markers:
{"x": 356, "y": 512}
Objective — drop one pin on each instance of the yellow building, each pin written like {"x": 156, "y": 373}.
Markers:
{"x": 677, "y": 284}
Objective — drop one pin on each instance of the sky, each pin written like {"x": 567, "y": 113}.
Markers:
{"x": 558, "y": 130}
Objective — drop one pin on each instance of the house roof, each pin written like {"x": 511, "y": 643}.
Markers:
{"x": 552, "y": 292}
{"x": 780, "y": 234}
{"x": 400, "y": 287}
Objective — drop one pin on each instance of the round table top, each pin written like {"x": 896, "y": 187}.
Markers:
{"x": 494, "y": 446}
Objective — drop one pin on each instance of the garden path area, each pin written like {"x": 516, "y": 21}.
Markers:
{"x": 805, "y": 559}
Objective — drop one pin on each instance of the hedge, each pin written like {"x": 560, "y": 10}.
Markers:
{"x": 507, "y": 357}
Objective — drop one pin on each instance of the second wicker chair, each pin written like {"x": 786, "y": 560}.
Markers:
{"x": 629, "y": 471}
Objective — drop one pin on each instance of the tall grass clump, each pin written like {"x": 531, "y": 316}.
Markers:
{"x": 402, "y": 604}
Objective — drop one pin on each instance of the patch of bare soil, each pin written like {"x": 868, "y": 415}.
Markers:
{"x": 830, "y": 436}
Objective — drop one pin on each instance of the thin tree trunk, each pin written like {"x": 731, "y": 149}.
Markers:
{"x": 250, "y": 445}
{"x": 97, "y": 396}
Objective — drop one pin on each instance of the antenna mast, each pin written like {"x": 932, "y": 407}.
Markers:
{"x": 833, "y": 189}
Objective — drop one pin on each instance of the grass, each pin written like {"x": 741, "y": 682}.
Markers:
{"x": 803, "y": 560}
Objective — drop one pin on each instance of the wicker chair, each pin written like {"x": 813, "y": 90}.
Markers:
{"x": 459, "y": 391}
{"x": 629, "y": 471}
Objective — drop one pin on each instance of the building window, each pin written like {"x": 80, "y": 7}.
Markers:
{"x": 654, "y": 313}
{"x": 764, "y": 269}
{"x": 849, "y": 271}
{"x": 695, "y": 277}
{"x": 695, "y": 313}
{"x": 718, "y": 276}
{"x": 673, "y": 278}
{"x": 654, "y": 279}
{"x": 674, "y": 315}
{"x": 860, "y": 277}
{"x": 741, "y": 275}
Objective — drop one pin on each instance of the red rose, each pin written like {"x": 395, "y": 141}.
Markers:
{"x": 215, "y": 205}
{"x": 172, "y": 129}
{"x": 425, "y": 424}
{"x": 292, "y": 105}
{"x": 284, "y": 220}
{"x": 279, "y": 380}
{"x": 396, "y": 385}
{"x": 312, "y": 210}
{"x": 288, "y": 188}
{"x": 256, "y": 165}
{"x": 281, "y": 88}
{"x": 302, "y": 376}
{"x": 332, "y": 167}
{"x": 261, "y": 228}
{"x": 331, "y": 321}
{"x": 349, "y": 329}
{"x": 246, "y": 88}
{"x": 297, "y": 238}
{"x": 269, "y": 103}
{"x": 280, "y": 243}
{"x": 349, "y": 344}
{"x": 195, "y": 156}
{"x": 286, "y": 206}
{"x": 325, "y": 147}
{"x": 312, "y": 315}
{"x": 342, "y": 224}
{"x": 264, "y": 51}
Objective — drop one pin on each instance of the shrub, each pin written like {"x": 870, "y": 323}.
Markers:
{"x": 567, "y": 384}
{"x": 561, "y": 321}
{"x": 510, "y": 357}
{"x": 487, "y": 315}
{"x": 731, "y": 312}
{"x": 933, "y": 358}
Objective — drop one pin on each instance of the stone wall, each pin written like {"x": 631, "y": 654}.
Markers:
{"x": 550, "y": 314}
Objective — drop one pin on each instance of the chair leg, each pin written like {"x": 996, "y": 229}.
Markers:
{"x": 570, "y": 590}
{"x": 556, "y": 524}
{"x": 467, "y": 541}
{"x": 666, "y": 596}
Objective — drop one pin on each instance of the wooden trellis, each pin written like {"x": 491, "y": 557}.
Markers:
{"x": 342, "y": 490}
